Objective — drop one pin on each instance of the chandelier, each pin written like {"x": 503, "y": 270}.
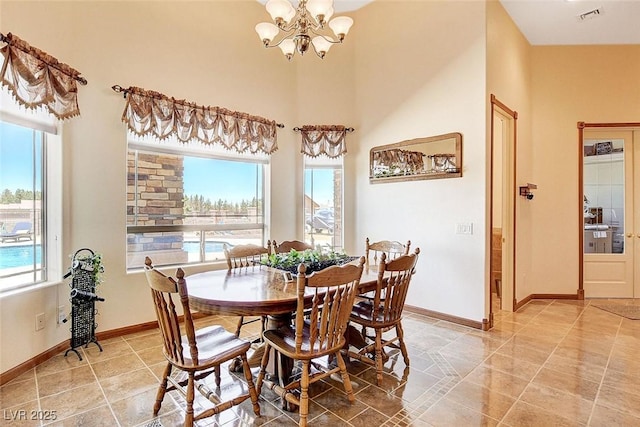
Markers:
{"x": 300, "y": 24}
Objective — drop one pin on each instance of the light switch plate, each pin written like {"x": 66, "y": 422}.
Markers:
{"x": 464, "y": 228}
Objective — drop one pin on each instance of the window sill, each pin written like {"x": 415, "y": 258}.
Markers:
{"x": 28, "y": 288}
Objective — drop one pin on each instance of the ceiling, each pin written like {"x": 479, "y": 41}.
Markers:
{"x": 556, "y": 22}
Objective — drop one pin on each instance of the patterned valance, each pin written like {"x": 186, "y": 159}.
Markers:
{"x": 326, "y": 140}
{"x": 149, "y": 113}
{"x": 37, "y": 79}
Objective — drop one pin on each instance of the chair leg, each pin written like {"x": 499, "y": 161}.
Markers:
{"x": 263, "y": 368}
{"x": 217, "y": 375}
{"x": 403, "y": 348}
{"x": 304, "y": 394}
{"x": 378, "y": 357}
{"x": 252, "y": 389}
{"x": 345, "y": 377}
{"x": 162, "y": 389}
{"x": 188, "y": 419}
{"x": 240, "y": 322}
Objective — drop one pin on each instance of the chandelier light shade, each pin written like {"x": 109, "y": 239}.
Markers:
{"x": 304, "y": 26}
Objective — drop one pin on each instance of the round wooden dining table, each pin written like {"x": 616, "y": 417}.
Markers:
{"x": 251, "y": 291}
{"x": 255, "y": 291}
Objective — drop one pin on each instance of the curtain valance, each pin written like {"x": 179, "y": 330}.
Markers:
{"x": 37, "y": 79}
{"x": 149, "y": 113}
{"x": 326, "y": 140}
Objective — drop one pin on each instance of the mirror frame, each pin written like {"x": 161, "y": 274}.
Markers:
{"x": 457, "y": 136}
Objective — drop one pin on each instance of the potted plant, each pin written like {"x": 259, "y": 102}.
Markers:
{"x": 314, "y": 260}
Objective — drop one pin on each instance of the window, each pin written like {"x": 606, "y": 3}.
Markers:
{"x": 323, "y": 202}
{"x": 26, "y": 181}
{"x": 184, "y": 206}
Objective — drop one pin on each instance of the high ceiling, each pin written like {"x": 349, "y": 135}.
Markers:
{"x": 557, "y": 22}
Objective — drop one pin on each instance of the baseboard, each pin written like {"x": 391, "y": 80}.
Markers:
{"x": 15, "y": 372}
{"x": 118, "y": 332}
{"x": 520, "y": 304}
{"x": 448, "y": 317}
{"x": 555, "y": 296}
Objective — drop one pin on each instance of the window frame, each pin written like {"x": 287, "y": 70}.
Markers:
{"x": 325, "y": 163}
{"x": 50, "y": 225}
{"x": 172, "y": 147}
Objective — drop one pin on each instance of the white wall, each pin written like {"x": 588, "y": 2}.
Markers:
{"x": 420, "y": 71}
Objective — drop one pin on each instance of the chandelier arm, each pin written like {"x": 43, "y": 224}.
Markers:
{"x": 284, "y": 37}
{"x": 324, "y": 36}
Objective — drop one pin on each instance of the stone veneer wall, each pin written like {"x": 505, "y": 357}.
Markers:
{"x": 157, "y": 200}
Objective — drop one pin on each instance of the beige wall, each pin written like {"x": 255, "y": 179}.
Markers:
{"x": 509, "y": 79}
{"x": 597, "y": 84}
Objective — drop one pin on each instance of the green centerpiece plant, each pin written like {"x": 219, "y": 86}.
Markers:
{"x": 314, "y": 259}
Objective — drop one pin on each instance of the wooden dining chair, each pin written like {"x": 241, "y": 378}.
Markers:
{"x": 385, "y": 314}
{"x": 373, "y": 251}
{"x": 390, "y": 248}
{"x": 287, "y": 245}
{"x": 244, "y": 256}
{"x": 198, "y": 353}
{"x": 331, "y": 293}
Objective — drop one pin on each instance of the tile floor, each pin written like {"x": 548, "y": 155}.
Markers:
{"x": 553, "y": 363}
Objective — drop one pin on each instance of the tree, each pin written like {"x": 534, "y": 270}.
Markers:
{"x": 7, "y": 197}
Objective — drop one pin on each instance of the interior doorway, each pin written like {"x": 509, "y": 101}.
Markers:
{"x": 610, "y": 210}
{"x": 502, "y": 219}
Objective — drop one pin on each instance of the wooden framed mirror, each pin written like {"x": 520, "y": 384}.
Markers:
{"x": 433, "y": 157}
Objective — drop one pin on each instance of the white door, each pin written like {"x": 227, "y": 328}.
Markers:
{"x": 610, "y": 247}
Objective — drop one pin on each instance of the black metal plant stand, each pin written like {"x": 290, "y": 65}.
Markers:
{"x": 83, "y": 299}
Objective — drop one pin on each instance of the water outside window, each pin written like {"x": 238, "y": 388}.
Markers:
{"x": 21, "y": 197}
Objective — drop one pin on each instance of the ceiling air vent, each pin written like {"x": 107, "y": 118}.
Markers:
{"x": 590, "y": 15}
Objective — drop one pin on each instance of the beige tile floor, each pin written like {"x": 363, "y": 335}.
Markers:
{"x": 553, "y": 363}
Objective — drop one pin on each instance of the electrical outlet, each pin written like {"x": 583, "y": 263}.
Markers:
{"x": 39, "y": 321}
{"x": 61, "y": 314}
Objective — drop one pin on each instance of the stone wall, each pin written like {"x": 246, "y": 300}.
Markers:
{"x": 157, "y": 200}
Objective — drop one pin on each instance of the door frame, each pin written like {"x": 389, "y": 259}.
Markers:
{"x": 581, "y": 128}
{"x": 508, "y": 190}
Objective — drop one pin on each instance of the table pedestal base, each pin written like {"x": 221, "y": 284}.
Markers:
{"x": 279, "y": 368}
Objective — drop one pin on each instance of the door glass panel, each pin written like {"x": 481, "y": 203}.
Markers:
{"x": 603, "y": 180}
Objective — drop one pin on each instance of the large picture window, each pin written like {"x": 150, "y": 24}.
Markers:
{"x": 184, "y": 207}
{"x": 23, "y": 183}
{"x": 323, "y": 202}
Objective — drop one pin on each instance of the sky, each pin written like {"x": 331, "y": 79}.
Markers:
{"x": 16, "y": 151}
{"x": 226, "y": 180}
{"x": 234, "y": 181}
